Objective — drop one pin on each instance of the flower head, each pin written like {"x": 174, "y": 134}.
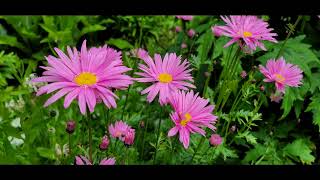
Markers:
{"x": 183, "y": 45}
{"x": 88, "y": 76}
{"x": 81, "y": 160}
{"x": 166, "y": 75}
{"x": 186, "y": 18}
{"x": 243, "y": 74}
{"x": 191, "y": 113}
{"x": 123, "y": 132}
{"x": 129, "y": 137}
{"x": 249, "y": 31}
{"x": 104, "y": 143}
{"x": 178, "y": 29}
{"x": 108, "y": 161}
{"x": 216, "y": 31}
{"x": 215, "y": 140}
{"x": 282, "y": 73}
{"x": 70, "y": 126}
{"x": 191, "y": 33}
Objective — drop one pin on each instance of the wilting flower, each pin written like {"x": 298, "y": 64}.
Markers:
{"x": 282, "y": 74}
{"x": 178, "y": 29}
{"x": 247, "y": 30}
{"x": 191, "y": 33}
{"x": 186, "y": 18}
{"x": 104, "y": 143}
{"x": 216, "y": 31}
{"x": 167, "y": 75}
{"x": 183, "y": 45}
{"x": 191, "y": 113}
{"x": 243, "y": 74}
{"x": 215, "y": 140}
{"x": 81, "y": 160}
{"x": 88, "y": 75}
{"x": 129, "y": 137}
{"x": 276, "y": 97}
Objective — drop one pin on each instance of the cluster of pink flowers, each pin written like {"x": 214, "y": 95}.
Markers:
{"x": 91, "y": 76}
{"x": 123, "y": 132}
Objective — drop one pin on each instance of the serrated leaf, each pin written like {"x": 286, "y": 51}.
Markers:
{"x": 300, "y": 148}
{"x": 314, "y": 106}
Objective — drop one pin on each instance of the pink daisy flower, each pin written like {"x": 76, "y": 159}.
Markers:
{"x": 81, "y": 160}
{"x": 249, "y": 31}
{"x": 186, "y": 18}
{"x": 86, "y": 76}
{"x": 122, "y": 131}
{"x": 167, "y": 75}
{"x": 282, "y": 74}
{"x": 191, "y": 113}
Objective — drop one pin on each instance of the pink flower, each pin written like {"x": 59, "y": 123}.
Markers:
{"x": 247, "y": 30}
{"x": 243, "y": 74}
{"x": 87, "y": 76}
{"x": 191, "y": 113}
{"x": 178, "y": 29}
{"x": 140, "y": 53}
{"x": 191, "y": 33}
{"x": 216, "y": 31}
{"x": 282, "y": 74}
{"x": 276, "y": 97}
{"x": 106, "y": 161}
{"x": 186, "y": 18}
{"x": 183, "y": 45}
{"x": 81, "y": 160}
{"x": 104, "y": 143}
{"x": 123, "y": 132}
{"x": 215, "y": 140}
{"x": 129, "y": 137}
{"x": 166, "y": 76}
{"x": 118, "y": 130}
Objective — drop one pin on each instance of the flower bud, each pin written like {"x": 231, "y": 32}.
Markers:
{"x": 262, "y": 88}
{"x": 243, "y": 74}
{"x": 104, "y": 143}
{"x": 215, "y": 140}
{"x": 191, "y": 33}
{"x": 70, "y": 126}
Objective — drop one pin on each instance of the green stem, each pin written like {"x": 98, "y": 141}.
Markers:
{"x": 288, "y": 36}
{"x": 158, "y": 135}
{"x": 90, "y": 136}
{"x": 70, "y": 145}
{"x": 198, "y": 147}
{"x": 144, "y": 135}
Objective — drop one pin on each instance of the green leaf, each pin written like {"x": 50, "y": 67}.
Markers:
{"x": 46, "y": 153}
{"x": 120, "y": 43}
{"x": 314, "y": 106}
{"x": 300, "y": 148}
{"x": 248, "y": 136}
{"x": 254, "y": 154}
{"x": 92, "y": 28}
{"x": 11, "y": 41}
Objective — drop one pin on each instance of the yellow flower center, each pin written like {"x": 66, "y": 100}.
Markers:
{"x": 187, "y": 117}
{"x": 165, "y": 78}
{"x": 279, "y": 78}
{"x": 86, "y": 78}
{"x": 247, "y": 34}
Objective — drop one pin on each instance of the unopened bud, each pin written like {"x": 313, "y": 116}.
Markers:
{"x": 215, "y": 140}
{"x": 70, "y": 126}
{"x": 104, "y": 143}
{"x": 262, "y": 88}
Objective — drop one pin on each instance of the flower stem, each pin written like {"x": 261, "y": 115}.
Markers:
{"x": 198, "y": 147}
{"x": 158, "y": 135}
{"x": 288, "y": 36}
{"x": 144, "y": 135}
{"x": 70, "y": 146}
{"x": 90, "y": 136}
